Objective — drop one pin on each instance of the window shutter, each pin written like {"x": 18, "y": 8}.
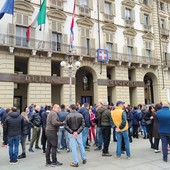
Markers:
{"x": 11, "y": 33}
{"x": 107, "y": 37}
{"x": 133, "y": 14}
{"x": 113, "y": 11}
{"x": 144, "y": 52}
{"x": 59, "y": 27}
{"x": 166, "y": 25}
{"x": 123, "y": 12}
{"x": 19, "y": 19}
{"x": 32, "y": 38}
{"x": 25, "y": 20}
{"x": 87, "y": 33}
{"x": 135, "y": 51}
{"x": 102, "y": 6}
{"x": 141, "y": 17}
{"x": 64, "y": 43}
{"x": 54, "y": 26}
{"x": 125, "y": 49}
{"x": 90, "y": 2}
{"x": 50, "y": 39}
{"x": 150, "y": 19}
{"x": 92, "y": 48}
{"x": 83, "y": 32}
{"x": 165, "y": 7}
{"x": 115, "y": 48}
{"x": 83, "y": 46}
{"x": 111, "y": 37}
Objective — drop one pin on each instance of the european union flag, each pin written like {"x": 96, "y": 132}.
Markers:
{"x": 7, "y": 8}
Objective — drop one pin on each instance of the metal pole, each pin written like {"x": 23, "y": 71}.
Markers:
{"x": 70, "y": 85}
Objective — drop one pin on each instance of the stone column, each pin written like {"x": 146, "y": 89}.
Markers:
{"x": 6, "y": 88}
{"x": 39, "y": 93}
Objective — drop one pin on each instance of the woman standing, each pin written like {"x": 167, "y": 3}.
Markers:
{"x": 24, "y": 134}
{"x": 149, "y": 121}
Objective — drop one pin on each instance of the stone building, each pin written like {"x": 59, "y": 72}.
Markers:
{"x": 135, "y": 33}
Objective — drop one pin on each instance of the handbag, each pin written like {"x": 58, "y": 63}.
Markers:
{"x": 148, "y": 122}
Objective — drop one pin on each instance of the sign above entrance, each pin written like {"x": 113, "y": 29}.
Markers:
{"x": 102, "y": 55}
{"x": 23, "y": 78}
{"x": 112, "y": 83}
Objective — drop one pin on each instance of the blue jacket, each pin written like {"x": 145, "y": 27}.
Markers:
{"x": 86, "y": 116}
{"x": 136, "y": 117}
{"x": 163, "y": 116}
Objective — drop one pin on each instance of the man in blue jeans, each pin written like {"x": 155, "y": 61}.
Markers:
{"x": 13, "y": 126}
{"x": 121, "y": 124}
{"x": 74, "y": 124}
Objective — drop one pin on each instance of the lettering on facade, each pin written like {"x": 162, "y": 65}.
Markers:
{"x": 112, "y": 83}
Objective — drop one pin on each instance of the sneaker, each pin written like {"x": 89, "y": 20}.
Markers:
{"x": 85, "y": 161}
{"x": 98, "y": 149}
{"x": 30, "y": 150}
{"x": 23, "y": 155}
{"x": 48, "y": 164}
{"x": 165, "y": 160}
{"x": 74, "y": 164}
{"x": 15, "y": 162}
{"x": 56, "y": 164}
{"x": 68, "y": 150}
{"x": 58, "y": 150}
{"x": 11, "y": 162}
{"x": 117, "y": 158}
{"x": 157, "y": 151}
{"x": 128, "y": 157}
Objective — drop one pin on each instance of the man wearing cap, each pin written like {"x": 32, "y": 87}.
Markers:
{"x": 121, "y": 124}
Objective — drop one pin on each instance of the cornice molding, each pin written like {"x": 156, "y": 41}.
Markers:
{"x": 56, "y": 14}
{"x": 109, "y": 27}
{"x": 130, "y": 32}
{"x": 23, "y": 5}
{"x": 85, "y": 22}
{"x": 146, "y": 9}
{"x": 148, "y": 35}
{"x": 129, "y": 3}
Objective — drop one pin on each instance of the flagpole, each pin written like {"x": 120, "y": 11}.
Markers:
{"x": 40, "y": 25}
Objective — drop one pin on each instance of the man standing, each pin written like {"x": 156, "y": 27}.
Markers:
{"x": 163, "y": 116}
{"x": 52, "y": 128}
{"x": 35, "y": 121}
{"x": 120, "y": 121}
{"x": 74, "y": 124}
{"x": 63, "y": 134}
{"x": 104, "y": 119}
{"x": 13, "y": 126}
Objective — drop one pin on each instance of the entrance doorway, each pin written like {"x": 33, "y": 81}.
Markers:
{"x": 18, "y": 103}
{"x": 84, "y": 86}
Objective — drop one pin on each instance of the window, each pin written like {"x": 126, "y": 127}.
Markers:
{"x": 130, "y": 52}
{"x": 145, "y": 2}
{"x": 148, "y": 54}
{"x": 21, "y": 38}
{"x": 146, "y": 19}
{"x": 84, "y": 3}
{"x": 162, "y": 6}
{"x": 56, "y": 41}
{"x": 128, "y": 14}
{"x": 108, "y": 8}
{"x": 162, "y": 23}
{"x": 109, "y": 47}
{"x": 88, "y": 46}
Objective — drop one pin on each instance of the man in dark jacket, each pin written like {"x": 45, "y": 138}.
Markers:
{"x": 35, "y": 121}
{"x": 85, "y": 112}
{"x": 74, "y": 124}
{"x": 13, "y": 125}
{"x": 105, "y": 119}
{"x": 52, "y": 128}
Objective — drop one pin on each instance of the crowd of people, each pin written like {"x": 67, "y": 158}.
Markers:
{"x": 61, "y": 127}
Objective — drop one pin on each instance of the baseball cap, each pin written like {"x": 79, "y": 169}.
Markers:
{"x": 119, "y": 102}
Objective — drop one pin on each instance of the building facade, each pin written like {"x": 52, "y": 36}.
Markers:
{"x": 135, "y": 33}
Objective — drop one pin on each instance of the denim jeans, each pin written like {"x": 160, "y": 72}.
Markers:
{"x": 144, "y": 130}
{"x": 63, "y": 136}
{"x": 73, "y": 142}
{"x": 99, "y": 137}
{"x": 165, "y": 139}
{"x": 85, "y": 133}
{"x": 13, "y": 143}
{"x": 123, "y": 134}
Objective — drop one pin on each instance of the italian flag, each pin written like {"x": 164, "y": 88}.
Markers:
{"x": 39, "y": 19}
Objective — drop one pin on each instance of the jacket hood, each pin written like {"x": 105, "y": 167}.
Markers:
{"x": 101, "y": 109}
{"x": 14, "y": 114}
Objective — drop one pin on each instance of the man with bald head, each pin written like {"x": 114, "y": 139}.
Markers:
{"x": 52, "y": 128}
{"x": 35, "y": 121}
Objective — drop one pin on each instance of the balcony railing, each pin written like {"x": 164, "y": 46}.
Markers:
{"x": 164, "y": 32}
{"x": 57, "y": 47}
{"x": 108, "y": 18}
{"x": 147, "y": 28}
{"x": 129, "y": 23}
{"x": 84, "y": 11}
{"x": 133, "y": 59}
